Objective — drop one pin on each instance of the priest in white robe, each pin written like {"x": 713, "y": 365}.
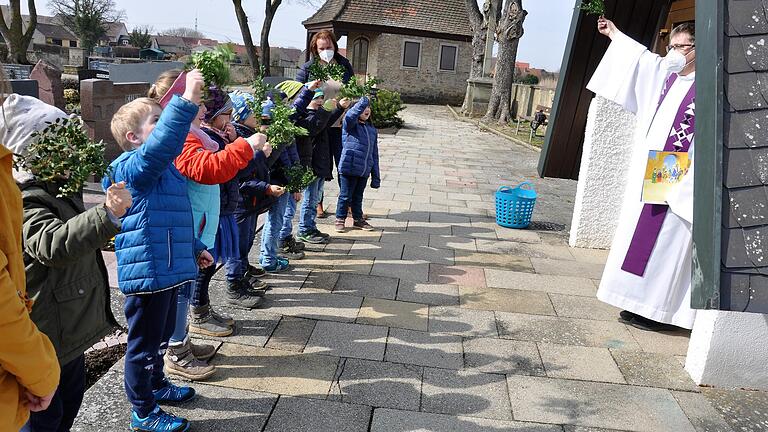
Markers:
{"x": 648, "y": 272}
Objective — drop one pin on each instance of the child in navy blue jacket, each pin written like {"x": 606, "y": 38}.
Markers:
{"x": 157, "y": 252}
{"x": 257, "y": 195}
{"x": 359, "y": 160}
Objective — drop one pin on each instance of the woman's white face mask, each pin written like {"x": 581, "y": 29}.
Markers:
{"x": 327, "y": 55}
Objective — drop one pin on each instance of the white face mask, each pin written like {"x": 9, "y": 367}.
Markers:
{"x": 327, "y": 55}
{"x": 674, "y": 61}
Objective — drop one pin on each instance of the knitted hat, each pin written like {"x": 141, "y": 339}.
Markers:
{"x": 318, "y": 94}
{"x": 20, "y": 117}
{"x": 290, "y": 88}
{"x": 217, "y": 102}
{"x": 241, "y": 105}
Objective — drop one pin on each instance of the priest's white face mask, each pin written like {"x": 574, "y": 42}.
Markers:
{"x": 674, "y": 61}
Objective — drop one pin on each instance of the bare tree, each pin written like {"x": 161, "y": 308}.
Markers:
{"x": 15, "y": 37}
{"x": 183, "y": 32}
{"x": 245, "y": 29}
{"x": 88, "y": 19}
{"x": 508, "y": 34}
{"x": 270, "y": 10}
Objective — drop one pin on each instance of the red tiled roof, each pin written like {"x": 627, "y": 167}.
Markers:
{"x": 437, "y": 16}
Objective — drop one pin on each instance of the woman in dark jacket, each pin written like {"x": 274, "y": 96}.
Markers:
{"x": 320, "y": 47}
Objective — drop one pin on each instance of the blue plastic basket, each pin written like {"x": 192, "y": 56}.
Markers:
{"x": 514, "y": 206}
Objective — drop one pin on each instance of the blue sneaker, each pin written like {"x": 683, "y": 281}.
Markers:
{"x": 173, "y": 393}
{"x": 158, "y": 421}
{"x": 278, "y": 267}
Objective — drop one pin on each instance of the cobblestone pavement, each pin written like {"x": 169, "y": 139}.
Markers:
{"x": 441, "y": 320}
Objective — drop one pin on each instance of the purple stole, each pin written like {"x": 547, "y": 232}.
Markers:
{"x": 652, "y": 217}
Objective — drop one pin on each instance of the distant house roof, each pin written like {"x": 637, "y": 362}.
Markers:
{"x": 442, "y": 18}
{"x": 193, "y": 42}
{"x": 172, "y": 44}
{"x": 54, "y": 31}
{"x": 115, "y": 29}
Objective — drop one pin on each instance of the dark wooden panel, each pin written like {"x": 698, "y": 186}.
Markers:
{"x": 641, "y": 20}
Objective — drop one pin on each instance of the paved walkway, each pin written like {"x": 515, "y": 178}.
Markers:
{"x": 442, "y": 320}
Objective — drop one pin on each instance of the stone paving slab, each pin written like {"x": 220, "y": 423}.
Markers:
{"x": 491, "y": 260}
{"x": 314, "y": 304}
{"x": 583, "y": 307}
{"x": 743, "y": 410}
{"x": 392, "y": 313}
{"x": 291, "y": 334}
{"x": 462, "y": 322}
{"x": 581, "y": 363}
{"x": 274, "y": 371}
{"x": 429, "y": 254}
{"x": 475, "y": 232}
{"x": 558, "y": 401}
{"x": 565, "y": 331}
{"x": 305, "y": 415}
{"x": 430, "y": 228}
{"x": 417, "y": 271}
{"x": 596, "y": 256}
{"x": 531, "y": 250}
{"x": 459, "y": 275}
{"x": 701, "y": 414}
{"x": 506, "y": 300}
{"x": 390, "y": 251}
{"x": 666, "y": 342}
{"x": 431, "y": 294}
{"x": 348, "y": 340}
{"x": 321, "y": 279}
{"x": 424, "y": 349}
{"x": 389, "y": 420}
{"x": 567, "y": 268}
{"x": 381, "y": 384}
{"x": 502, "y": 356}
{"x": 465, "y": 393}
{"x": 653, "y": 370}
{"x": 536, "y": 282}
{"x": 367, "y": 286}
{"x": 252, "y": 327}
{"x": 406, "y": 238}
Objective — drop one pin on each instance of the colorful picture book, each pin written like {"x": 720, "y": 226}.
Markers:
{"x": 664, "y": 171}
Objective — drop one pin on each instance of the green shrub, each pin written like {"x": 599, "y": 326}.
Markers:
{"x": 385, "y": 107}
{"x": 70, "y": 83}
{"x": 71, "y": 96}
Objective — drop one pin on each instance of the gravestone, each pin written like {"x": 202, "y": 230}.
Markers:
{"x": 24, "y": 87}
{"x": 140, "y": 72}
{"x": 17, "y": 71}
{"x": 48, "y": 78}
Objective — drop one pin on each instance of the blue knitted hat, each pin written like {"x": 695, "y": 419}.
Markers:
{"x": 266, "y": 108}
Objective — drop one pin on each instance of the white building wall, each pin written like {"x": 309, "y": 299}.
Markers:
{"x": 602, "y": 177}
{"x": 729, "y": 350}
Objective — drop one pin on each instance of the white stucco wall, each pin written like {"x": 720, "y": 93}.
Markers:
{"x": 729, "y": 350}
{"x": 602, "y": 176}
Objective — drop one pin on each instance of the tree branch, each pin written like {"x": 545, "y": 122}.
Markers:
{"x": 32, "y": 21}
{"x": 475, "y": 16}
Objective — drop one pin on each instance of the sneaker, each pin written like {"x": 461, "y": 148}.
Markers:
{"x": 339, "y": 225}
{"x": 255, "y": 286}
{"x": 202, "y": 352}
{"x": 626, "y": 316}
{"x": 180, "y": 361}
{"x": 222, "y": 317}
{"x": 292, "y": 251}
{"x": 202, "y": 322}
{"x": 238, "y": 295}
{"x": 254, "y": 271}
{"x": 172, "y": 393}
{"x": 363, "y": 225}
{"x": 158, "y": 421}
{"x": 290, "y": 245}
{"x": 320, "y": 233}
{"x": 280, "y": 266}
{"x": 312, "y": 237}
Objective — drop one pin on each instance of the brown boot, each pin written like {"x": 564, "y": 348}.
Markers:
{"x": 202, "y": 352}
{"x": 180, "y": 361}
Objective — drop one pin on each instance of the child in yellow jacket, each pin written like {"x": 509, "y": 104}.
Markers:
{"x": 29, "y": 370}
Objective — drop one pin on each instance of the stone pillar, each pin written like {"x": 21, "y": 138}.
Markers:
{"x": 729, "y": 349}
{"x": 48, "y": 78}
{"x": 604, "y": 161}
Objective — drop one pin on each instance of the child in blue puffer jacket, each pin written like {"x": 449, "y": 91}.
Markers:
{"x": 359, "y": 160}
{"x": 157, "y": 252}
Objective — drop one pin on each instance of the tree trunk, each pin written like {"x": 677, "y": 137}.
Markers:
{"x": 15, "y": 37}
{"x": 271, "y": 9}
{"x": 479, "y": 32}
{"x": 508, "y": 35}
{"x": 242, "y": 20}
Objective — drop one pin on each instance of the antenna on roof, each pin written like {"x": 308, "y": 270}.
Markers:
{"x": 195, "y": 19}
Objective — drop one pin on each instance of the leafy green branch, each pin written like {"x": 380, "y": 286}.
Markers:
{"x": 299, "y": 177}
{"x": 63, "y": 153}
{"x": 593, "y": 7}
{"x": 333, "y": 71}
{"x": 282, "y": 130}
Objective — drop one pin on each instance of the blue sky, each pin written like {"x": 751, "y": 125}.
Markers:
{"x": 546, "y": 27}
